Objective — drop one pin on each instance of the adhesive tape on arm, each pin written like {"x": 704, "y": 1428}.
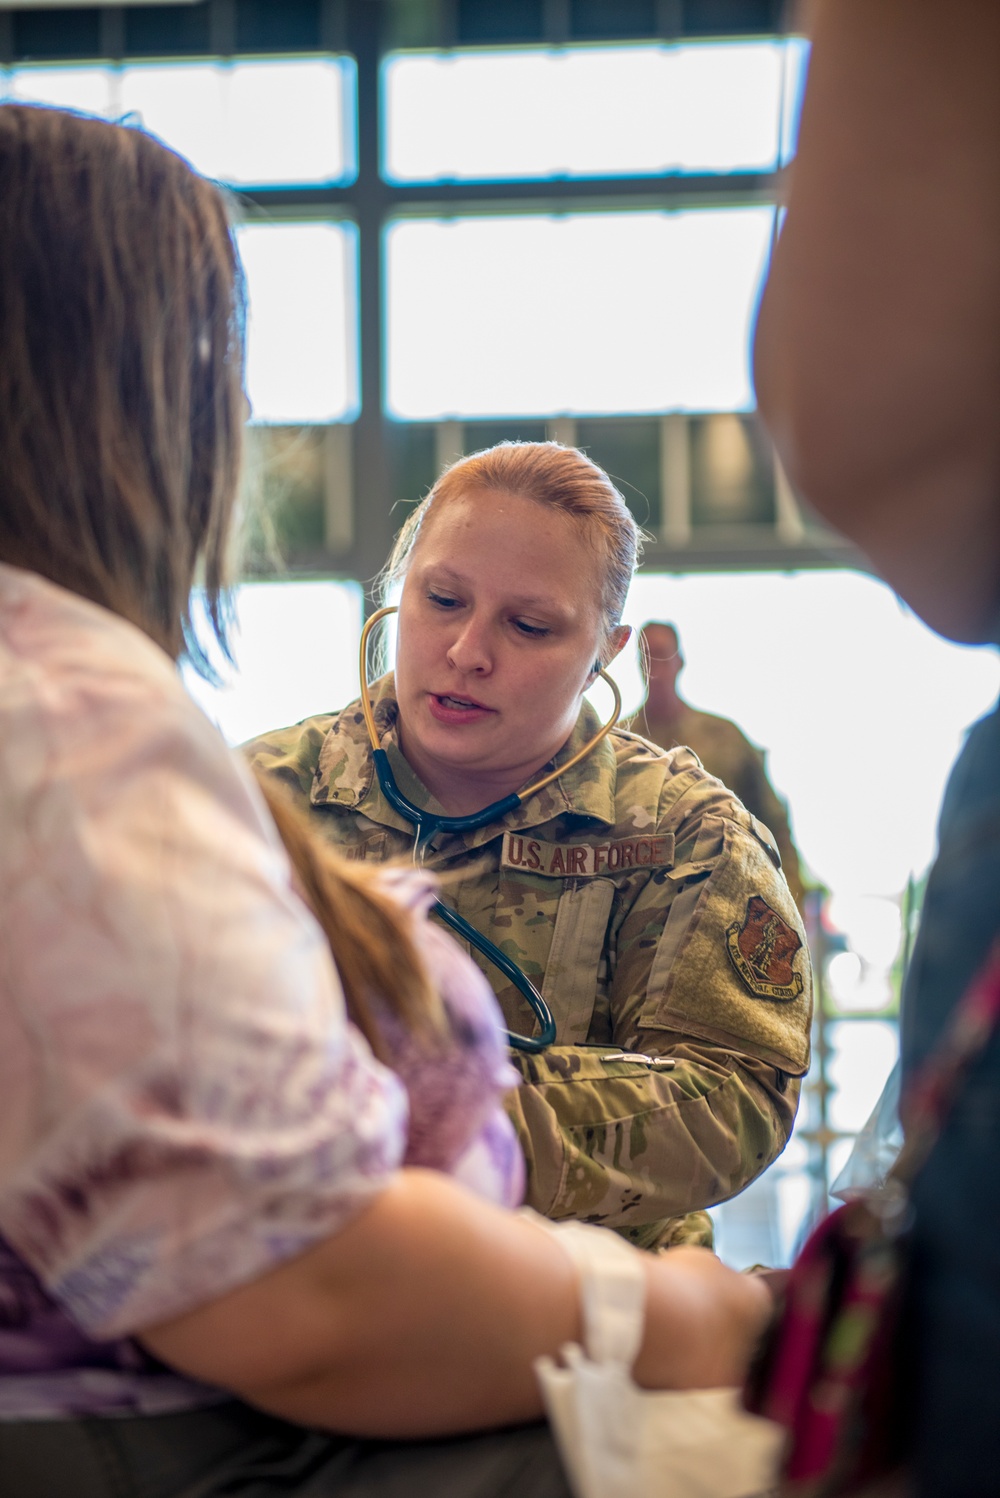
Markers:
{"x": 612, "y": 1289}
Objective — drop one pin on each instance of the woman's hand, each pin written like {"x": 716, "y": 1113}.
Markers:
{"x": 703, "y": 1321}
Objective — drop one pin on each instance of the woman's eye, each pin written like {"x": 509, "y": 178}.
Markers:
{"x": 442, "y": 600}
{"x": 533, "y": 631}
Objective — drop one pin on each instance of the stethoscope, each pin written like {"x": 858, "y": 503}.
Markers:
{"x": 427, "y": 824}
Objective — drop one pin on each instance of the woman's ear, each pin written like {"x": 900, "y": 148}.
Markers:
{"x": 619, "y": 639}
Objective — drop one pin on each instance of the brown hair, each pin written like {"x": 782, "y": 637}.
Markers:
{"x": 121, "y": 407}
{"x": 367, "y": 931}
{"x": 550, "y": 474}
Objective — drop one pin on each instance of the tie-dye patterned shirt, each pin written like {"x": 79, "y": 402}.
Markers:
{"x": 183, "y": 1104}
{"x": 457, "y": 1122}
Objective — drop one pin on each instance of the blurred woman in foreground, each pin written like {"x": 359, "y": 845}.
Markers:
{"x": 878, "y": 372}
{"x": 206, "y": 1230}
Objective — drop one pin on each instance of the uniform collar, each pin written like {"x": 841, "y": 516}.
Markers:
{"x": 345, "y": 773}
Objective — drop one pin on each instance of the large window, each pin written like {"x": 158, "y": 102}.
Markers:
{"x": 589, "y": 310}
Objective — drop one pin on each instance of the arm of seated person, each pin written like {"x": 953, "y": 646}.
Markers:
{"x": 424, "y": 1315}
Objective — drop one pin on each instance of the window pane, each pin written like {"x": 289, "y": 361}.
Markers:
{"x": 586, "y": 313}
{"x": 793, "y": 90}
{"x": 275, "y": 681}
{"x": 302, "y": 337}
{"x": 292, "y": 121}
{"x": 248, "y": 123}
{"x": 251, "y": 122}
{"x": 87, "y": 89}
{"x": 182, "y": 104}
{"x": 863, "y": 1054}
{"x": 540, "y": 112}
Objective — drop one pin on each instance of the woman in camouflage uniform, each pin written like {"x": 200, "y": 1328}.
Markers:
{"x": 636, "y": 892}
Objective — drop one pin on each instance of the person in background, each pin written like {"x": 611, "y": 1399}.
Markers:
{"x": 638, "y": 894}
{"x": 723, "y": 749}
{"x": 216, "y": 1273}
{"x": 877, "y": 361}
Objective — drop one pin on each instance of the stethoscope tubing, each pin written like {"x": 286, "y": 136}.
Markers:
{"x": 427, "y": 825}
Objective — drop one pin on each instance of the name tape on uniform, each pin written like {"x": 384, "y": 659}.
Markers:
{"x": 586, "y": 860}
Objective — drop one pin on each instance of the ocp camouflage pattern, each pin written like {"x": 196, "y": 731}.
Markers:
{"x": 614, "y": 889}
{"x": 727, "y": 753}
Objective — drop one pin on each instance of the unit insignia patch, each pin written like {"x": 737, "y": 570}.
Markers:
{"x": 762, "y": 950}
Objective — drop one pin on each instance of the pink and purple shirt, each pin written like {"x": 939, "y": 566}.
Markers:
{"x": 183, "y": 1104}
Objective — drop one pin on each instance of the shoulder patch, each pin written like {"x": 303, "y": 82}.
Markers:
{"x": 762, "y": 950}
{"x": 587, "y": 860}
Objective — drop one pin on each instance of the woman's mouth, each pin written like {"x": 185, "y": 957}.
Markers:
{"x": 459, "y": 702}
{"x": 448, "y": 709}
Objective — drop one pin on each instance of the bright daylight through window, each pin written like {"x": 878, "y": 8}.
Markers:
{"x": 594, "y": 312}
{"x": 591, "y": 111}
{"x": 244, "y": 122}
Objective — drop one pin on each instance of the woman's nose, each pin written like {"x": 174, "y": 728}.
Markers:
{"x": 470, "y": 651}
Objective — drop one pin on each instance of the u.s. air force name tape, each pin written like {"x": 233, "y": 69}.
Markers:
{"x": 586, "y": 860}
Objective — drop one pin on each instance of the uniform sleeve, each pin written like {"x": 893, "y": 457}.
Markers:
{"x": 629, "y": 1146}
{"x": 711, "y": 970}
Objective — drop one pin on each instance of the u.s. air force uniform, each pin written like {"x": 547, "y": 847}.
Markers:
{"x": 647, "y": 905}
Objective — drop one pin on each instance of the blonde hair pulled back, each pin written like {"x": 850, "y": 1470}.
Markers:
{"x": 558, "y": 477}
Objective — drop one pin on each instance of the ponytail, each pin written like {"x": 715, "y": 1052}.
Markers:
{"x": 367, "y": 929}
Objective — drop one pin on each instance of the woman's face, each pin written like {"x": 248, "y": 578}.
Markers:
{"x": 499, "y": 629}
